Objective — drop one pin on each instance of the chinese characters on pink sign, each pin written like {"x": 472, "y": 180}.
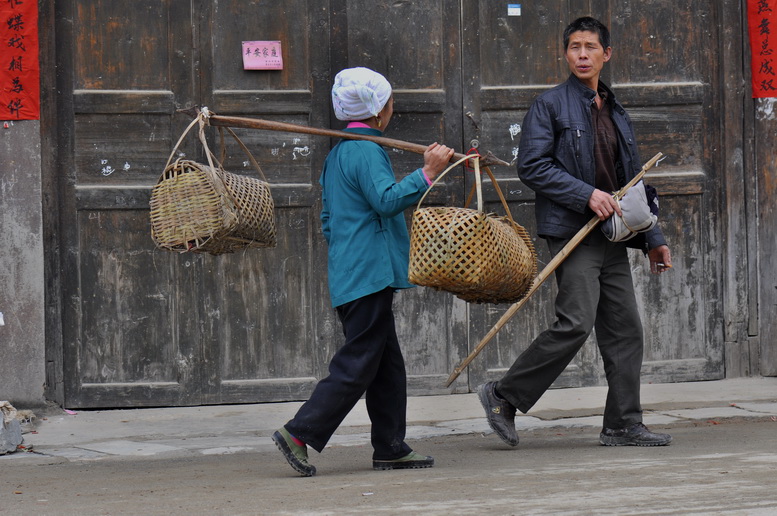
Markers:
{"x": 763, "y": 42}
{"x": 19, "y": 64}
{"x": 262, "y": 55}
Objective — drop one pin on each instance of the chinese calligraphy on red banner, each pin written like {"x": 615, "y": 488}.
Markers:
{"x": 19, "y": 63}
{"x": 761, "y": 20}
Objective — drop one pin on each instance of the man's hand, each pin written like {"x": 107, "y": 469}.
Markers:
{"x": 436, "y": 158}
{"x": 660, "y": 259}
{"x": 603, "y": 204}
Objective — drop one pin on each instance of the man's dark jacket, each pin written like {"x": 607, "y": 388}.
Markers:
{"x": 556, "y": 159}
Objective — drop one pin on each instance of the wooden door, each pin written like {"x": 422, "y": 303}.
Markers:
{"x": 274, "y": 329}
{"x": 145, "y": 327}
{"x": 664, "y": 72}
{"x": 131, "y": 320}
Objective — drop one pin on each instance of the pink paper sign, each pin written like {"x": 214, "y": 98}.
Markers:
{"x": 262, "y": 55}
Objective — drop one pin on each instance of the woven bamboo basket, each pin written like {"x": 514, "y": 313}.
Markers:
{"x": 480, "y": 257}
{"x": 205, "y": 209}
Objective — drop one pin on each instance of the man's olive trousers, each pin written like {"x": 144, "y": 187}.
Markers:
{"x": 595, "y": 291}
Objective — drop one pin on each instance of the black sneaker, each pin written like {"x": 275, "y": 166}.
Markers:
{"x": 412, "y": 460}
{"x": 499, "y": 413}
{"x": 634, "y": 435}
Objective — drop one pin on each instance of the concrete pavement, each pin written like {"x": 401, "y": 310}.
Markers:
{"x": 229, "y": 429}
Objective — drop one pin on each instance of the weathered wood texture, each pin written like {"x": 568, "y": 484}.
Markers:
{"x": 142, "y": 327}
{"x": 50, "y": 202}
{"x": 739, "y": 223}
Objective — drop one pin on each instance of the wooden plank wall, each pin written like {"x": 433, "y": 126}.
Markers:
{"x": 469, "y": 74}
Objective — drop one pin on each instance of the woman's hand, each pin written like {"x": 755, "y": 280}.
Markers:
{"x": 436, "y": 158}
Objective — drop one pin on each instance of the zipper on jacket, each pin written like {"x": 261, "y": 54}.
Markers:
{"x": 577, "y": 144}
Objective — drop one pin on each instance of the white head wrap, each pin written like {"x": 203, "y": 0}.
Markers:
{"x": 359, "y": 93}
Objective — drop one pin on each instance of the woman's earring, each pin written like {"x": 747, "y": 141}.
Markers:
{"x": 379, "y": 121}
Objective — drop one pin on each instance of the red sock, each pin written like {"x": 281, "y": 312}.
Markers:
{"x": 296, "y": 441}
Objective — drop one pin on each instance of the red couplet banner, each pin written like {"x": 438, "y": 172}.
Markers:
{"x": 19, "y": 60}
{"x": 762, "y": 25}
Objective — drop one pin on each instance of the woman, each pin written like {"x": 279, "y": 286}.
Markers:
{"x": 363, "y": 223}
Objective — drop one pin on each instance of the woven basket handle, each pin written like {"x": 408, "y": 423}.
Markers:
{"x": 498, "y": 192}
{"x": 465, "y": 158}
{"x": 212, "y": 171}
{"x": 194, "y": 122}
{"x": 475, "y": 187}
{"x": 242, "y": 146}
{"x": 201, "y": 120}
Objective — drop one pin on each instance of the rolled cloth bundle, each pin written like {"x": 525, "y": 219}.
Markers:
{"x": 359, "y": 93}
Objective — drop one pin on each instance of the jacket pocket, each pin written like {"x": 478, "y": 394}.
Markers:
{"x": 578, "y": 132}
{"x": 571, "y": 144}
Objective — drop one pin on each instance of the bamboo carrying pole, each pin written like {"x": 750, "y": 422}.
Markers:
{"x": 257, "y": 123}
{"x": 546, "y": 272}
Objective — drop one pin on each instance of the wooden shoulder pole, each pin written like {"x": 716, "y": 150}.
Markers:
{"x": 545, "y": 274}
{"x": 271, "y": 125}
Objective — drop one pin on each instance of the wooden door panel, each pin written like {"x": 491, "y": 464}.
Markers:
{"x": 130, "y": 329}
{"x": 297, "y": 24}
{"x": 663, "y": 71}
{"x": 659, "y": 42}
{"x": 262, "y": 336}
{"x": 509, "y": 61}
{"x": 129, "y": 353}
{"x": 268, "y": 339}
{"x": 286, "y": 159}
{"x": 517, "y": 51}
{"x": 116, "y": 151}
{"x": 121, "y": 48}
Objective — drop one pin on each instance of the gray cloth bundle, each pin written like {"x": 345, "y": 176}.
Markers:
{"x": 637, "y": 215}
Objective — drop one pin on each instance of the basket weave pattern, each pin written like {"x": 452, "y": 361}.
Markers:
{"x": 257, "y": 223}
{"x": 204, "y": 208}
{"x": 479, "y": 257}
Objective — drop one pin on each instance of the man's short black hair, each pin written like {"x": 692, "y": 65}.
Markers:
{"x": 588, "y": 24}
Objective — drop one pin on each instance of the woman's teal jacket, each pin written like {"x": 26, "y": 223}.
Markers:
{"x": 363, "y": 221}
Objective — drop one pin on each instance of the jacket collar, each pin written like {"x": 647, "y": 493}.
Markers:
{"x": 587, "y": 92}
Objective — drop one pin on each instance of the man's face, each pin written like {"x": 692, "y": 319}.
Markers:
{"x": 586, "y": 57}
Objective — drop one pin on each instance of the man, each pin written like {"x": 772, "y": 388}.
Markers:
{"x": 577, "y": 148}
